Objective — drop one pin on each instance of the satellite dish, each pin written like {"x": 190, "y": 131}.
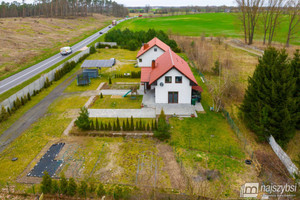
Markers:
{"x": 161, "y": 84}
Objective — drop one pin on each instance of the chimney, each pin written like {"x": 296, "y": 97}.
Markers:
{"x": 146, "y": 45}
{"x": 153, "y": 64}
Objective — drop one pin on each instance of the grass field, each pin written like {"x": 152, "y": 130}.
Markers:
{"x": 27, "y": 41}
{"x": 210, "y": 24}
{"x": 108, "y": 102}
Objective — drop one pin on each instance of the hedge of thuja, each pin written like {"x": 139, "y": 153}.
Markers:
{"x": 85, "y": 123}
{"x": 71, "y": 188}
{"x": 132, "y": 75}
{"x": 5, "y": 113}
{"x": 125, "y": 125}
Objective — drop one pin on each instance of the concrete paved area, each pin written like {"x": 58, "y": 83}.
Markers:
{"x": 113, "y": 92}
{"x": 123, "y": 113}
{"x": 184, "y": 110}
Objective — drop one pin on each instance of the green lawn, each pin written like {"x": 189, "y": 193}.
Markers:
{"x": 215, "y": 24}
{"x": 107, "y": 102}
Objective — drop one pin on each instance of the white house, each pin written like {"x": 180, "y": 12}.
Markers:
{"x": 151, "y": 51}
{"x": 171, "y": 79}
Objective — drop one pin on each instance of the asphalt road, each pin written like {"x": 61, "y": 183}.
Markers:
{"x": 32, "y": 71}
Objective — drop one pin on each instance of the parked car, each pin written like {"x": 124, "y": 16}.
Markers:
{"x": 65, "y": 50}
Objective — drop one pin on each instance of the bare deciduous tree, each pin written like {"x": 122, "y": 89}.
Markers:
{"x": 293, "y": 9}
{"x": 270, "y": 18}
{"x": 250, "y": 11}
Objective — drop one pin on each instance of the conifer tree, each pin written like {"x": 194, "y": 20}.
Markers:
{"x": 63, "y": 184}
{"x": 269, "y": 107}
{"x": 83, "y": 120}
{"x": 101, "y": 126}
{"x": 55, "y": 187}
{"x": 137, "y": 126}
{"x": 124, "y": 126}
{"x": 118, "y": 124}
{"x": 109, "y": 126}
{"x": 4, "y": 114}
{"x": 100, "y": 190}
{"x": 82, "y": 190}
{"x": 72, "y": 187}
{"x": 92, "y": 125}
{"x": 295, "y": 64}
{"x": 127, "y": 125}
{"x": 97, "y": 125}
{"x": 132, "y": 124}
{"x": 46, "y": 186}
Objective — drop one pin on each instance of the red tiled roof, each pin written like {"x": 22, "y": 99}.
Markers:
{"x": 166, "y": 62}
{"x": 152, "y": 43}
{"x": 197, "y": 88}
{"x": 145, "y": 74}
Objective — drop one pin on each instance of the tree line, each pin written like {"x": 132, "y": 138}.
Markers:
{"x": 269, "y": 13}
{"x": 62, "y": 8}
{"x": 133, "y": 40}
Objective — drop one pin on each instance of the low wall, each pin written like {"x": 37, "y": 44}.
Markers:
{"x": 285, "y": 159}
{"x": 39, "y": 83}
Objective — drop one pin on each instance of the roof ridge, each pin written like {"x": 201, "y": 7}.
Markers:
{"x": 171, "y": 57}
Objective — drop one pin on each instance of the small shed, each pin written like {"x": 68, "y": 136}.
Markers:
{"x": 83, "y": 79}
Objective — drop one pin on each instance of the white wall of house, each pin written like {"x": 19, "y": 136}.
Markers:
{"x": 148, "y": 56}
{"x": 184, "y": 89}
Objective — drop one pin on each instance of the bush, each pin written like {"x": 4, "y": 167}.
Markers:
{"x": 92, "y": 50}
{"x": 162, "y": 132}
{"x": 82, "y": 190}
{"x": 216, "y": 68}
{"x": 83, "y": 120}
{"x": 46, "y": 185}
{"x": 4, "y": 114}
{"x": 55, "y": 187}
{"x": 100, "y": 190}
{"x": 63, "y": 184}
{"x": 72, "y": 187}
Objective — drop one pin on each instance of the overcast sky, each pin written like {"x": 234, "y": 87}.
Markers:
{"x": 165, "y": 2}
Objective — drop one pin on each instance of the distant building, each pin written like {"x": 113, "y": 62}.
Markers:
{"x": 167, "y": 74}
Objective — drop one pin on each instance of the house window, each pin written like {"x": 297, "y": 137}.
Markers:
{"x": 178, "y": 79}
{"x": 168, "y": 79}
{"x": 155, "y": 49}
{"x": 140, "y": 60}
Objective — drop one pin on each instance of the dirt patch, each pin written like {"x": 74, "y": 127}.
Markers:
{"x": 172, "y": 167}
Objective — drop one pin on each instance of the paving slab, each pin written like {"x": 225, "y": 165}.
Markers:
{"x": 123, "y": 113}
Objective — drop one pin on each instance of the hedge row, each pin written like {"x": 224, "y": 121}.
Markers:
{"x": 71, "y": 188}
{"x": 19, "y": 102}
{"x": 126, "y": 125}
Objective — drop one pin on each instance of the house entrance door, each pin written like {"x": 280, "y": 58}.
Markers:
{"x": 173, "y": 97}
